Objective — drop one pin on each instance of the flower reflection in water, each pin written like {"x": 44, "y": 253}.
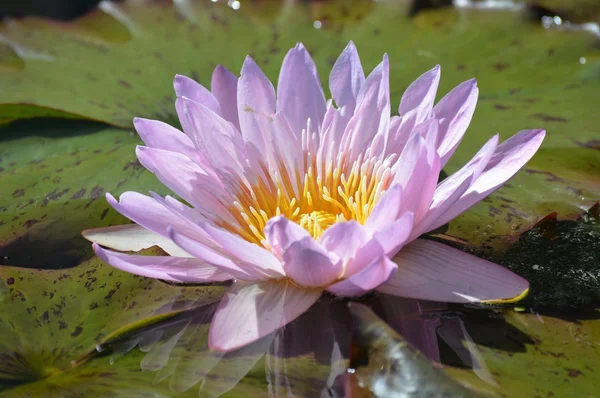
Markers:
{"x": 307, "y": 357}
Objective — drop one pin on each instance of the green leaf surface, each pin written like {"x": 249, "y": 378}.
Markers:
{"x": 51, "y": 319}
{"x": 118, "y": 62}
{"x": 54, "y": 176}
{"x": 554, "y": 354}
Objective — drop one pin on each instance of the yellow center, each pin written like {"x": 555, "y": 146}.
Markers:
{"x": 341, "y": 192}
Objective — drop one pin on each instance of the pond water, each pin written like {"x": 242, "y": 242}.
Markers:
{"x": 72, "y": 326}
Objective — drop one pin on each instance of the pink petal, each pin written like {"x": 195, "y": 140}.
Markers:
{"x": 386, "y": 210}
{"x": 508, "y": 158}
{"x": 216, "y": 138}
{"x": 416, "y": 171}
{"x": 299, "y": 92}
{"x": 251, "y": 311}
{"x": 344, "y": 239}
{"x": 255, "y": 96}
{"x": 281, "y": 233}
{"x": 186, "y": 87}
{"x": 453, "y": 187}
{"x": 368, "y": 279}
{"x": 346, "y": 78}
{"x": 309, "y": 264}
{"x": 224, "y": 88}
{"x": 394, "y": 236}
{"x": 159, "y": 135}
{"x": 175, "y": 269}
{"x": 150, "y": 214}
{"x": 372, "y": 114}
{"x": 245, "y": 252}
{"x": 184, "y": 177}
{"x": 455, "y": 111}
{"x": 202, "y": 251}
{"x": 430, "y": 270}
{"x": 132, "y": 237}
{"x": 420, "y": 95}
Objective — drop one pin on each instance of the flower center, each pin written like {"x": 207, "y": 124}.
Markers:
{"x": 335, "y": 192}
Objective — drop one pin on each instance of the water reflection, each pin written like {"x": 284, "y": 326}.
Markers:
{"x": 307, "y": 357}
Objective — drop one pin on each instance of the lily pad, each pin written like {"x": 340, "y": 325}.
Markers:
{"x": 117, "y": 62}
{"x": 50, "y": 320}
{"x": 554, "y": 354}
{"x": 54, "y": 176}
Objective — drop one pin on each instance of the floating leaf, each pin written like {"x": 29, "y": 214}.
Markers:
{"x": 54, "y": 176}
{"x": 51, "y": 319}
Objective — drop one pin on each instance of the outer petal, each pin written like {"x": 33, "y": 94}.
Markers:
{"x": 299, "y": 92}
{"x": 430, "y": 270}
{"x": 244, "y": 251}
{"x": 369, "y": 278}
{"x": 386, "y": 210}
{"x": 224, "y": 88}
{"x": 453, "y": 187}
{"x": 183, "y": 177}
{"x": 346, "y": 78}
{"x": 151, "y": 214}
{"x": 372, "y": 114}
{"x": 159, "y": 135}
{"x": 186, "y": 87}
{"x": 208, "y": 254}
{"x": 132, "y": 237}
{"x": 508, "y": 158}
{"x": 175, "y": 269}
{"x": 395, "y": 235}
{"x": 455, "y": 111}
{"x": 255, "y": 96}
{"x": 281, "y": 233}
{"x": 308, "y": 264}
{"x": 251, "y": 311}
{"x": 420, "y": 95}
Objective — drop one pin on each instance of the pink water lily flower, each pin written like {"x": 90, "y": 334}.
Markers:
{"x": 292, "y": 195}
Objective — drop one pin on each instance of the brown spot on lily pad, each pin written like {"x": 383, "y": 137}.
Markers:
{"x": 550, "y": 118}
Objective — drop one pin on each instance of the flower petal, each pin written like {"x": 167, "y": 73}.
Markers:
{"x": 281, "y": 233}
{"x": 386, "y": 210}
{"x": 420, "y": 95}
{"x": 248, "y": 312}
{"x": 214, "y": 137}
{"x": 202, "y": 251}
{"x": 132, "y": 237}
{"x": 372, "y": 114}
{"x": 454, "y": 186}
{"x": 175, "y": 269}
{"x": 508, "y": 158}
{"x": 430, "y": 270}
{"x": 159, "y": 135}
{"x": 455, "y": 111}
{"x": 368, "y": 279}
{"x": 394, "y": 236}
{"x": 150, "y": 214}
{"x": 309, "y": 264}
{"x": 184, "y": 177}
{"x": 186, "y": 87}
{"x": 255, "y": 96}
{"x": 299, "y": 92}
{"x": 248, "y": 253}
{"x": 346, "y": 78}
{"x": 224, "y": 88}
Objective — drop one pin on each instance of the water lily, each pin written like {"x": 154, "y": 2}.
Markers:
{"x": 291, "y": 195}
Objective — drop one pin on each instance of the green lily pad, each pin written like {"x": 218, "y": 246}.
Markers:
{"x": 118, "y": 62}
{"x": 555, "y": 354}
{"x": 50, "y": 320}
{"x": 54, "y": 176}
